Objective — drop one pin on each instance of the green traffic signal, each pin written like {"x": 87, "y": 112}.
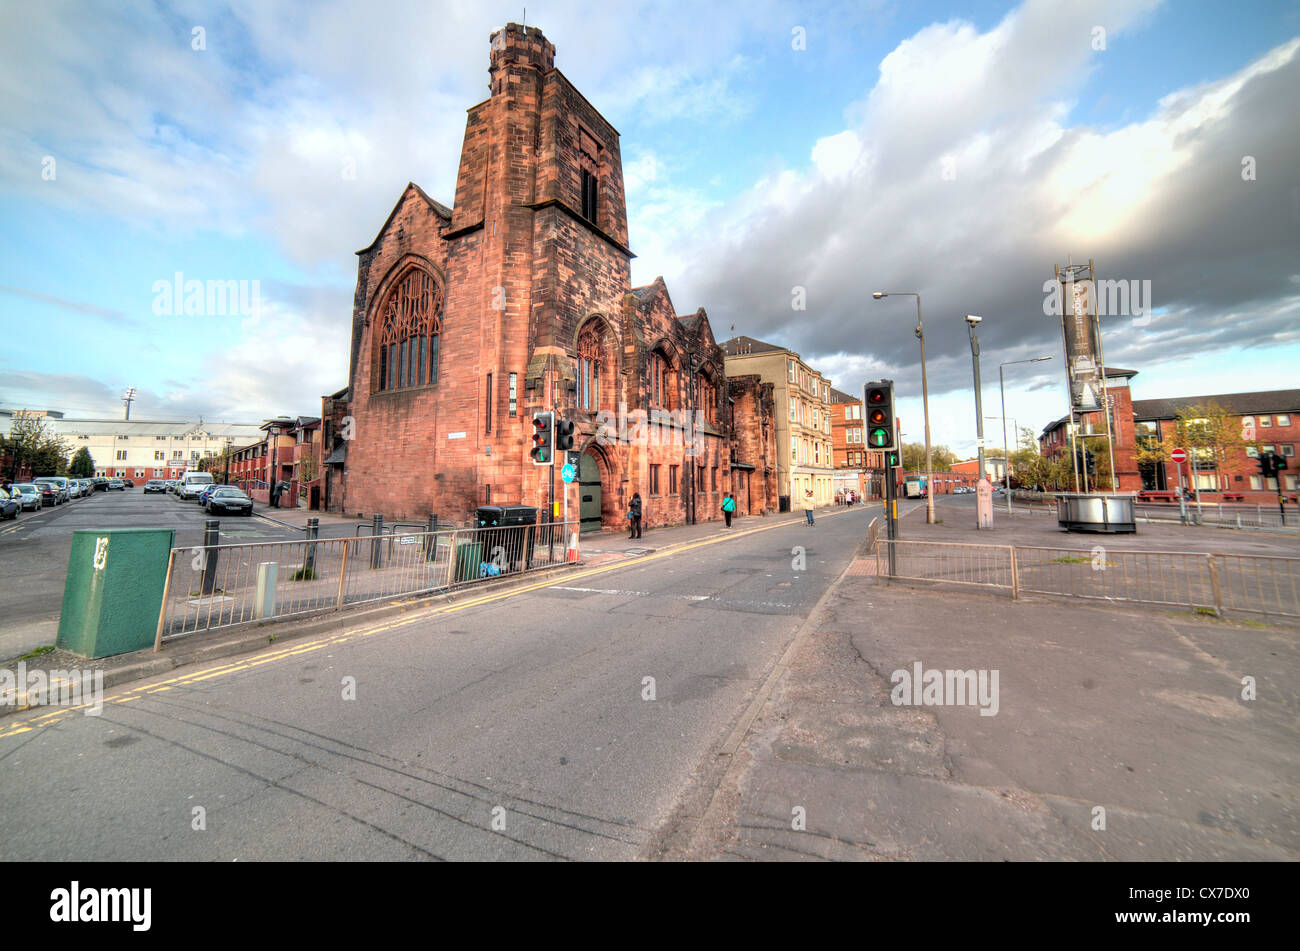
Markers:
{"x": 878, "y": 438}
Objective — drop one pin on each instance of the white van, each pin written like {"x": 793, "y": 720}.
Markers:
{"x": 192, "y": 484}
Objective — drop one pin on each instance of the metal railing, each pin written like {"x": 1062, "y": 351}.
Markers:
{"x": 1222, "y": 514}
{"x": 216, "y": 586}
{"x": 1264, "y": 585}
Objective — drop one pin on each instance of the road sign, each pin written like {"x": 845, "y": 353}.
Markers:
{"x": 1179, "y": 455}
{"x": 568, "y": 473}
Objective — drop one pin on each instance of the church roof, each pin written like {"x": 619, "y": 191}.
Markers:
{"x": 437, "y": 207}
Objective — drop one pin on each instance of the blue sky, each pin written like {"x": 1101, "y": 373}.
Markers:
{"x": 752, "y": 167}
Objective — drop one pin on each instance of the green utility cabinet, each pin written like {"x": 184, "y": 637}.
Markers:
{"x": 114, "y": 590}
{"x": 469, "y": 555}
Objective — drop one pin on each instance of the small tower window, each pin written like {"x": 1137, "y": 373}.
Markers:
{"x": 589, "y": 195}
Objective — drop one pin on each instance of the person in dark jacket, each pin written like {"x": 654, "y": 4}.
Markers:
{"x": 634, "y": 516}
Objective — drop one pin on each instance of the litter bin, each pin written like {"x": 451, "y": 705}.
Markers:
{"x": 114, "y": 590}
{"x": 508, "y": 533}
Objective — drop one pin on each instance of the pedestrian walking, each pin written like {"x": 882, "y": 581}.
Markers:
{"x": 728, "y": 508}
{"x": 808, "y": 505}
{"x": 634, "y": 516}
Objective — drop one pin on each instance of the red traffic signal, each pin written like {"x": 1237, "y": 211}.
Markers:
{"x": 879, "y": 397}
{"x": 543, "y": 451}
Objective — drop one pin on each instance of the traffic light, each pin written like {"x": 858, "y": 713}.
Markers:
{"x": 563, "y": 435}
{"x": 543, "y": 451}
{"x": 879, "y": 399}
{"x": 1270, "y": 464}
{"x": 1090, "y": 462}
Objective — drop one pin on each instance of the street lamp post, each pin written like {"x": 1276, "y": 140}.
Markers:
{"x": 1006, "y": 468}
{"x": 925, "y": 399}
{"x": 971, "y": 321}
{"x": 1006, "y": 451}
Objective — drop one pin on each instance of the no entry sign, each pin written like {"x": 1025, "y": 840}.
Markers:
{"x": 1179, "y": 455}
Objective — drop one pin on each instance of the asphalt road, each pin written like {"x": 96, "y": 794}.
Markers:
{"x": 530, "y": 711}
{"x": 34, "y": 553}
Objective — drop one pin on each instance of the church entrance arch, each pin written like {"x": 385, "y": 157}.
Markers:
{"x": 589, "y": 491}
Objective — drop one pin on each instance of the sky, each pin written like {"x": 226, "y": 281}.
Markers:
{"x": 774, "y": 152}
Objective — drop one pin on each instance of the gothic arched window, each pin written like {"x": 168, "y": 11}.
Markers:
{"x": 407, "y": 332}
{"x": 663, "y": 382}
{"x": 590, "y": 358}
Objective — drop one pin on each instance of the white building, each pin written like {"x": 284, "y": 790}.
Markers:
{"x": 144, "y": 448}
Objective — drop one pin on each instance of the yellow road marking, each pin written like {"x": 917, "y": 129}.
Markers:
{"x": 135, "y": 693}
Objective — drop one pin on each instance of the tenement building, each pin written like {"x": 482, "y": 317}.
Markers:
{"x": 518, "y": 298}
{"x": 803, "y": 418}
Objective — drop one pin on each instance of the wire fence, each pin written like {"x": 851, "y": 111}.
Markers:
{"x": 1264, "y": 585}
{"x": 218, "y": 586}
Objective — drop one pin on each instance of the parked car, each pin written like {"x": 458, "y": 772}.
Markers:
{"x": 116, "y": 484}
{"x": 130, "y": 484}
{"x": 171, "y": 484}
{"x": 59, "y": 484}
{"x": 155, "y": 485}
{"x": 29, "y": 495}
{"x": 205, "y": 493}
{"x": 227, "y": 498}
{"x": 49, "y": 494}
{"x": 10, "y": 505}
{"x": 192, "y": 484}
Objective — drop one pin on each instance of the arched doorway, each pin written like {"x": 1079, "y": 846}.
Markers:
{"x": 589, "y": 492}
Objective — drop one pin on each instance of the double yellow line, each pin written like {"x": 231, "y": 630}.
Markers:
{"x": 306, "y": 647}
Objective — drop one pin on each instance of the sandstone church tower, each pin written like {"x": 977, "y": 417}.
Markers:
{"x": 519, "y": 298}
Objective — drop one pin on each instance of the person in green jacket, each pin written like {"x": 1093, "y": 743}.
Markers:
{"x": 728, "y": 508}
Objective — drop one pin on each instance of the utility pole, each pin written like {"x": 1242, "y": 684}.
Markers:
{"x": 128, "y": 398}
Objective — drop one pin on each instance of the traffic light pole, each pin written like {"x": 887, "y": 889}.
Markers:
{"x": 891, "y": 512}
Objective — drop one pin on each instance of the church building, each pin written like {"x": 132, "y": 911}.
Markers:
{"x": 517, "y": 298}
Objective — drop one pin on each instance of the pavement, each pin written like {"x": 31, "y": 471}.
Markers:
{"x": 1119, "y": 734}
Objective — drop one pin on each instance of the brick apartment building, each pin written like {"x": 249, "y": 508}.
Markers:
{"x": 468, "y": 319}
{"x": 857, "y": 468}
{"x": 1269, "y": 420}
{"x": 288, "y": 452}
{"x": 1055, "y": 439}
{"x": 805, "y": 459}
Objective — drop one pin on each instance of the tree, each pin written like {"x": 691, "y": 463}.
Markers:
{"x": 941, "y": 457}
{"x": 32, "y": 442}
{"x": 1214, "y": 438}
{"x": 1029, "y": 467}
{"x": 218, "y": 464}
{"x": 81, "y": 466}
